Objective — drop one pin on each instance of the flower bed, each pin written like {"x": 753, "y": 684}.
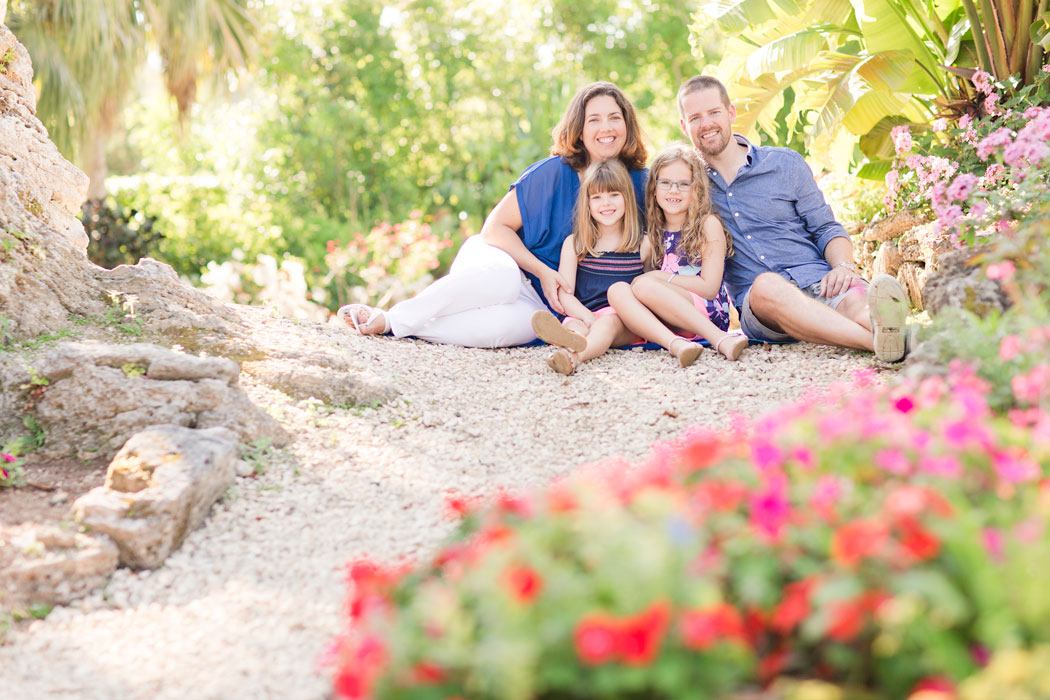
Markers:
{"x": 873, "y": 542}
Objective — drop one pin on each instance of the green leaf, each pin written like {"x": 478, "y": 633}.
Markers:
{"x": 886, "y": 27}
{"x": 734, "y": 16}
{"x": 876, "y": 144}
{"x": 947, "y": 604}
{"x": 869, "y": 109}
{"x": 875, "y": 170}
{"x": 787, "y": 53}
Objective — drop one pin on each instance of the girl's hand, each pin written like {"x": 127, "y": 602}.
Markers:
{"x": 552, "y": 283}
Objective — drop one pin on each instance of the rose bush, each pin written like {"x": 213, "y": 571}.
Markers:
{"x": 874, "y": 541}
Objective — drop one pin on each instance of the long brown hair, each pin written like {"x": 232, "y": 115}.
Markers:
{"x": 606, "y": 176}
{"x": 568, "y": 134}
{"x": 691, "y": 243}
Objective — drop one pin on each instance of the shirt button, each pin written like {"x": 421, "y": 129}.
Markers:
{"x": 749, "y": 238}
{"x": 730, "y": 194}
{"x": 761, "y": 257}
{"x": 736, "y": 213}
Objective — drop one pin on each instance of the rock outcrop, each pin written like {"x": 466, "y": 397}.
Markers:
{"x": 47, "y": 565}
{"x": 90, "y": 398}
{"x": 159, "y": 487}
{"x": 960, "y": 283}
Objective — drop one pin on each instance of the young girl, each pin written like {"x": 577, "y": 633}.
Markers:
{"x": 689, "y": 246}
{"x": 605, "y": 248}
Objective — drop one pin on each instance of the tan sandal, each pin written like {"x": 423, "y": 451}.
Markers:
{"x": 687, "y": 356}
{"x": 563, "y": 361}
{"x": 550, "y": 330}
{"x": 737, "y": 344}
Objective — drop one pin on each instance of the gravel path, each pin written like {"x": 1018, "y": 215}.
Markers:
{"x": 249, "y": 603}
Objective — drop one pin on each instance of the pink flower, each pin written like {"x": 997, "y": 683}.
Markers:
{"x": 940, "y": 125}
{"x": 901, "y": 136}
{"x": 946, "y": 466}
{"x": 990, "y": 105}
{"x": 770, "y": 510}
{"x": 893, "y": 461}
{"x": 965, "y": 121}
{"x": 1046, "y": 68}
{"x": 1023, "y": 152}
{"x": 961, "y": 187}
{"x": 983, "y": 82}
{"x": 1000, "y": 271}
{"x": 7, "y": 457}
{"x": 766, "y": 456}
{"x": 892, "y": 180}
{"x": 993, "y": 142}
{"x": 1014, "y": 468}
{"x": 904, "y": 404}
{"x": 992, "y": 172}
{"x": 992, "y": 539}
{"x": 1009, "y": 347}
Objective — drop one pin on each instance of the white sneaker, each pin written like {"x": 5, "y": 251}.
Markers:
{"x": 888, "y": 308}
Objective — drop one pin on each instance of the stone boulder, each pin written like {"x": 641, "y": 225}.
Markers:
{"x": 44, "y": 273}
{"x": 91, "y": 397}
{"x": 892, "y": 226}
{"x": 958, "y": 282}
{"x": 46, "y": 565}
{"x": 159, "y": 487}
{"x": 887, "y": 260}
{"x": 912, "y": 277}
{"x": 330, "y": 385}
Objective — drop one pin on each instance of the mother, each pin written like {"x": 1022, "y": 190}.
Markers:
{"x": 501, "y": 277}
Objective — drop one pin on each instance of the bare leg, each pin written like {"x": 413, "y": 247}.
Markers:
{"x": 604, "y": 333}
{"x": 639, "y": 320}
{"x": 675, "y": 306}
{"x": 782, "y": 306}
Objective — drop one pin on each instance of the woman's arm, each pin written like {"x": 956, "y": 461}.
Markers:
{"x": 501, "y": 230}
{"x": 709, "y": 282}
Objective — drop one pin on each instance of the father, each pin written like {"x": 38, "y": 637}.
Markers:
{"x": 792, "y": 276}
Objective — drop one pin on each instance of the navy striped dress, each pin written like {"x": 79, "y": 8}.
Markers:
{"x": 596, "y": 273}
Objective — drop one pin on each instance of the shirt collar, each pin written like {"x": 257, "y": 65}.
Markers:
{"x": 750, "y": 155}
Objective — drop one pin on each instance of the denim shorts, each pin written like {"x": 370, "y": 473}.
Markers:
{"x": 756, "y": 330}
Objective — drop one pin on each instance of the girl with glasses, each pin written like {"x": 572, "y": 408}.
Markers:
{"x": 684, "y": 296}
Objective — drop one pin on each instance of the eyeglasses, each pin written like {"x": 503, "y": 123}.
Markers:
{"x": 679, "y": 185}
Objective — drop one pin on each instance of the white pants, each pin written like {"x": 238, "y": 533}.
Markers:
{"x": 485, "y": 301}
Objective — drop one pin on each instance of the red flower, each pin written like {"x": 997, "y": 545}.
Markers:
{"x": 642, "y": 634}
{"x": 917, "y": 541}
{"x": 702, "y": 629}
{"x": 847, "y": 620}
{"x": 362, "y": 661}
{"x": 794, "y": 607}
{"x": 770, "y": 665}
{"x": 934, "y": 688}
{"x": 523, "y": 583}
{"x": 597, "y": 638}
{"x": 428, "y": 673}
{"x": 560, "y": 498}
{"x": 858, "y": 540}
{"x": 699, "y": 448}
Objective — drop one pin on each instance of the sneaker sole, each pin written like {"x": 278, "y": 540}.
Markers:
{"x": 550, "y": 330}
{"x": 888, "y": 310}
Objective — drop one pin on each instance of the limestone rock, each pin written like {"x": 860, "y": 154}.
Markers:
{"x": 912, "y": 277}
{"x": 92, "y": 397}
{"x": 175, "y": 475}
{"x": 958, "y": 283}
{"x": 864, "y": 255}
{"x": 45, "y": 565}
{"x": 924, "y": 244}
{"x": 892, "y": 226}
{"x": 887, "y": 260}
{"x": 332, "y": 386}
{"x": 44, "y": 273}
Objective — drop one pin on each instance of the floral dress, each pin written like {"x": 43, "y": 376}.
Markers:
{"x": 717, "y": 308}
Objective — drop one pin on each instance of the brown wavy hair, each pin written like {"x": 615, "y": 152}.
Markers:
{"x": 606, "y": 176}
{"x": 568, "y": 134}
{"x": 691, "y": 243}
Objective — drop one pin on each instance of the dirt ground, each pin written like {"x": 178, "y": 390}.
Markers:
{"x": 51, "y": 487}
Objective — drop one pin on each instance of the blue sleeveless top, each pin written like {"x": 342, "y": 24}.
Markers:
{"x": 596, "y": 273}
{"x": 546, "y": 194}
{"x": 717, "y": 308}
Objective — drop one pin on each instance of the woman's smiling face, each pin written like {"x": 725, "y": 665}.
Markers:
{"x": 604, "y": 128}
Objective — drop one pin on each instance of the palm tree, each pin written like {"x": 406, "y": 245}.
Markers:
{"x": 86, "y": 53}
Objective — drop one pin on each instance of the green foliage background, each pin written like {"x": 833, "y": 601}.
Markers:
{"x": 361, "y": 112}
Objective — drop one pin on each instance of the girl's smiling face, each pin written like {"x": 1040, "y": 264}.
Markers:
{"x": 674, "y": 191}
{"x": 607, "y": 208}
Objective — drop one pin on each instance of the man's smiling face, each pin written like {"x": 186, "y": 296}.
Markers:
{"x": 707, "y": 121}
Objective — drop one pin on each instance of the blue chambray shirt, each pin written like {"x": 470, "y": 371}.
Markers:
{"x": 778, "y": 218}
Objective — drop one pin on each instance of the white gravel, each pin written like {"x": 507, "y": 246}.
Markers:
{"x": 247, "y": 606}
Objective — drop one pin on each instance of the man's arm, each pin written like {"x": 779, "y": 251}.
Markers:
{"x": 827, "y": 233}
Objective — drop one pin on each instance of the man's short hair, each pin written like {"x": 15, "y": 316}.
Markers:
{"x": 698, "y": 83}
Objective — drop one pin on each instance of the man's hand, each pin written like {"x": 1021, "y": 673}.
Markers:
{"x": 552, "y": 282}
{"x": 839, "y": 280}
